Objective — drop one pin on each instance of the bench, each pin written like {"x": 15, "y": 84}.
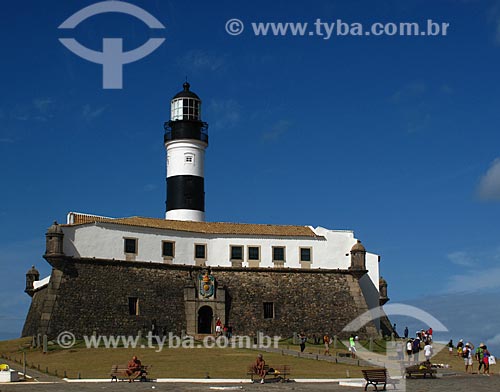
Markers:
{"x": 420, "y": 370}
{"x": 377, "y": 376}
{"x": 119, "y": 372}
{"x": 280, "y": 373}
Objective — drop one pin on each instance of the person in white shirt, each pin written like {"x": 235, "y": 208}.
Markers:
{"x": 428, "y": 352}
{"x": 409, "y": 350}
{"x": 467, "y": 356}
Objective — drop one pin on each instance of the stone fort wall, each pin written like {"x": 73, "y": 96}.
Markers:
{"x": 88, "y": 296}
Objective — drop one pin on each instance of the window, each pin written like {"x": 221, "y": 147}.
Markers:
{"x": 189, "y": 158}
{"x": 236, "y": 252}
{"x": 168, "y": 248}
{"x": 185, "y": 109}
{"x": 130, "y": 245}
{"x": 305, "y": 254}
{"x": 200, "y": 251}
{"x": 254, "y": 253}
{"x": 268, "y": 310}
{"x": 133, "y": 306}
{"x": 278, "y": 253}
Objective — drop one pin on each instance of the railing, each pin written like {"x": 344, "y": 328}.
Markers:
{"x": 186, "y": 130}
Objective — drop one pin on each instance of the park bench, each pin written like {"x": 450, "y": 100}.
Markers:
{"x": 376, "y": 377}
{"x": 278, "y": 373}
{"x": 119, "y": 372}
{"x": 420, "y": 370}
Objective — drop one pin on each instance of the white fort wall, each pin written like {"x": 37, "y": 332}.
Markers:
{"x": 106, "y": 241}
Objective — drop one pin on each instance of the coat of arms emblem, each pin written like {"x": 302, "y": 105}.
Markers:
{"x": 206, "y": 284}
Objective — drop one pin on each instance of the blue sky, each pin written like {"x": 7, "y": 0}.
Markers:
{"x": 395, "y": 137}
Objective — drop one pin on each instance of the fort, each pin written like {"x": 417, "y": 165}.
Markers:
{"x": 118, "y": 276}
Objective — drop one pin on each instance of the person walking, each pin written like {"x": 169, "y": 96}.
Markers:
{"x": 428, "y": 351}
{"x": 302, "y": 341}
{"x": 450, "y": 347}
{"x": 460, "y": 347}
{"x": 409, "y": 349}
{"x": 327, "y": 341}
{"x": 467, "y": 356}
{"x": 416, "y": 349}
{"x": 352, "y": 346}
{"x": 486, "y": 360}
{"x": 479, "y": 355}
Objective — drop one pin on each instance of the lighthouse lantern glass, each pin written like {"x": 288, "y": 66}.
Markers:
{"x": 186, "y": 109}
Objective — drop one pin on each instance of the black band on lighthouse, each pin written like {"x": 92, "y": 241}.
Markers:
{"x": 185, "y": 192}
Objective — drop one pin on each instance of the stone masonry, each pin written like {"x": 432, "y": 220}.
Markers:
{"x": 87, "y": 296}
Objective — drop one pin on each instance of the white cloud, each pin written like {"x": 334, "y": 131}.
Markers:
{"x": 471, "y": 281}
{"x": 409, "y": 91}
{"x": 278, "y": 129}
{"x": 89, "y": 113}
{"x": 461, "y": 258}
{"x": 43, "y": 105}
{"x": 39, "y": 109}
{"x": 201, "y": 60}
{"x": 227, "y": 113}
{"x": 489, "y": 185}
{"x": 494, "y": 19}
{"x": 494, "y": 341}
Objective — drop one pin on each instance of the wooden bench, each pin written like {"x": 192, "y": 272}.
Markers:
{"x": 119, "y": 372}
{"x": 419, "y": 371}
{"x": 376, "y": 377}
{"x": 281, "y": 372}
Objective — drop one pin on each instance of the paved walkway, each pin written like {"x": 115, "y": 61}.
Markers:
{"x": 463, "y": 383}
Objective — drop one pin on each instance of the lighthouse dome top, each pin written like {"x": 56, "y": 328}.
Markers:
{"x": 186, "y": 93}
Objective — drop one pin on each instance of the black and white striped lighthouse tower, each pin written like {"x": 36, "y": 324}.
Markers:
{"x": 186, "y": 139}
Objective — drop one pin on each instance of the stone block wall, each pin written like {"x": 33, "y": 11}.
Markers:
{"x": 91, "y": 296}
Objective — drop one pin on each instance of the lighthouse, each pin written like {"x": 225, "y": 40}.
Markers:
{"x": 186, "y": 139}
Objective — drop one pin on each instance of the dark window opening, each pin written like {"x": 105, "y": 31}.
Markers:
{"x": 268, "y": 310}
{"x": 278, "y": 253}
{"x": 305, "y": 254}
{"x": 236, "y": 253}
{"x": 131, "y": 245}
{"x": 199, "y": 251}
{"x": 168, "y": 249}
{"x": 133, "y": 306}
{"x": 253, "y": 253}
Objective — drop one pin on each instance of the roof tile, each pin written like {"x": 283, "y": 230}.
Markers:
{"x": 199, "y": 227}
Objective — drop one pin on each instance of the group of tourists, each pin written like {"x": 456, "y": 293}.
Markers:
{"x": 415, "y": 345}
{"x": 327, "y": 341}
{"x": 481, "y": 354}
{"x": 421, "y": 342}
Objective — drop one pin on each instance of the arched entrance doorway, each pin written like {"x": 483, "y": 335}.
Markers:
{"x": 205, "y": 316}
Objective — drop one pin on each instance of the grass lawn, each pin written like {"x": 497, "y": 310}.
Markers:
{"x": 194, "y": 362}
{"x": 179, "y": 362}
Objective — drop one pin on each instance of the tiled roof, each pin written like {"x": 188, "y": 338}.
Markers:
{"x": 198, "y": 227}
